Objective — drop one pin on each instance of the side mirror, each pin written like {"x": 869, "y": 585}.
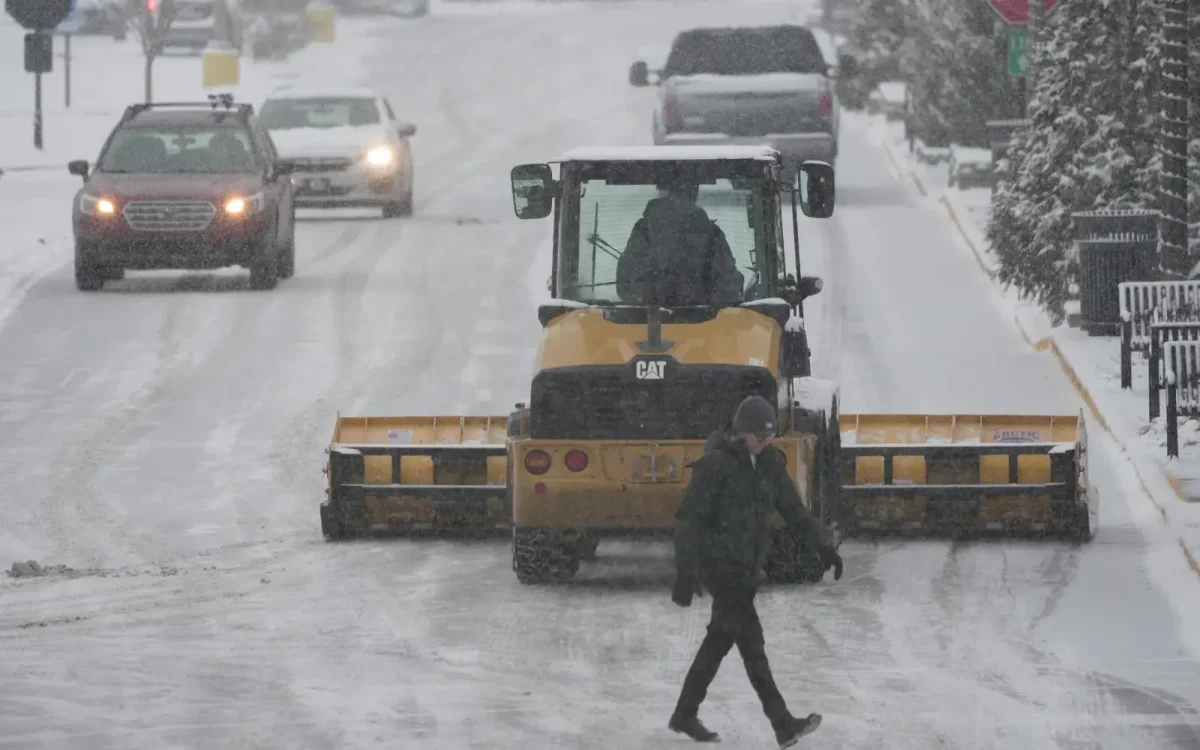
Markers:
{"x": 639, "y": 74}
{"x": 847, "y": 66}
{"x": 281, "y": 169}
{"x": 79, "y": 168}
{"x": 406, "y": 129}
{"x": 816, "y": 189}
{"x": 809, "y": 286}
{"x": 533, "y": 190}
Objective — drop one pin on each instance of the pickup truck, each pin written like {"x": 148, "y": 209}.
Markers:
{"x": 769, "y": 85}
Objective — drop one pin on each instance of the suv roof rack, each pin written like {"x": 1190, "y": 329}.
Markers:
{"x": 241, "y": 111}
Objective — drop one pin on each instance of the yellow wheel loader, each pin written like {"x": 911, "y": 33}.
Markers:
{"x": 633, "y": 373}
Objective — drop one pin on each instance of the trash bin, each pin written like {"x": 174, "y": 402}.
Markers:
{"x": 1114, "y": 246}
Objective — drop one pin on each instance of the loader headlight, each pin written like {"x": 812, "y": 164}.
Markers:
{"x": 381, "y": 156}
{"x": 238, "y": 205}
{"x": 94, "y": 205}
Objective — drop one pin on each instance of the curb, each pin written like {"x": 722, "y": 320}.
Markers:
{"x": 991, "y": 274}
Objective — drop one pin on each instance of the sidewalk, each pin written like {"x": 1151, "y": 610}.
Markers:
{"x": 107, "y": 75}
{"x": 1091, "y": 363}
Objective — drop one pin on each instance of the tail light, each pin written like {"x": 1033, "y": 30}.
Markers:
{"x": 537, "y": 462}
{"x": 576, "y": 460}
{"x": 670, "y": 113}
{"x": 827, "y": 105}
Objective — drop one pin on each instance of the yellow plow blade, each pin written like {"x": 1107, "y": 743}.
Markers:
{"x": 417, "y": 475}
{"x": 965, "y": 475}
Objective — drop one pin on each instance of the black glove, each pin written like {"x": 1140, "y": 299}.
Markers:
{"x": 831, "y": 559}
{"x": 685, "y": 588}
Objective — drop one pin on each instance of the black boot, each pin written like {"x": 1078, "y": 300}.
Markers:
{"x": 793, "y": 729}
{"x": 693, "y": 728}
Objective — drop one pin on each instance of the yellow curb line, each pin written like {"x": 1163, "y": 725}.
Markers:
{"x": 967, "y": 239}
{"x": 1190, "y": 558}
{"x": 1073, "y": 377}
{"x": 917, "y": 181}
{"x": 887, "y": 150}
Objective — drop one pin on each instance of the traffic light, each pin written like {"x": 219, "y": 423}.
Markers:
{"x": 152, "y": 5}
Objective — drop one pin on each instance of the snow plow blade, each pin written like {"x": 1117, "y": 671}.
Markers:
{"x": 965, "y": 475}
{"x": 416, "y": 476}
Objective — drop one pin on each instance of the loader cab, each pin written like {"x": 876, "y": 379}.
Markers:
{"x": 600, "y": 195}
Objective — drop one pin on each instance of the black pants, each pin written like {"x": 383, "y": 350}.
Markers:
{"x": 734, "y": 621}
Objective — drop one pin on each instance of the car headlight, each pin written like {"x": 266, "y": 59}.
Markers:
{"x": 248, "y": 205}
{"x": 95, "y": 205}
{"x": 381, "y": 156}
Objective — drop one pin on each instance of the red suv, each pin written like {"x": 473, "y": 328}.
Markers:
{"x": 185, "y": 186}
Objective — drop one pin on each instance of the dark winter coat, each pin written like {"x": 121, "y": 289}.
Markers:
{"x": 677, "y": 256}
{"x": 724, "y": 524}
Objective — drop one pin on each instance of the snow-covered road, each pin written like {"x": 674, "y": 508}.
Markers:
{"x": 164, "y": 439}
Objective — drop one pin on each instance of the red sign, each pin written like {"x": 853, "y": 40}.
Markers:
{"x": 1017, "y": 11}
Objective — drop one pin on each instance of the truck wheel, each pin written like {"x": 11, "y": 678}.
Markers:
{"x": 89, "y": 275}
{"x": 264, "y": 270}
{"x": 287, "y": 254}
{"x": 540, "y": 556}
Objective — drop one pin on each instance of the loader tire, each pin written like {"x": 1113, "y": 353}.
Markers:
{"x": 791, "y": 561}
{"x": 540, "y": 556}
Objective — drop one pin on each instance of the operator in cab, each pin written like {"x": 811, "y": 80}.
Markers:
{"x": 677, "y": 256}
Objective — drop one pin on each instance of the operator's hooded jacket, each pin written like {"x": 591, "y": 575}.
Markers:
{"x": 723, "y": 526}
{"x": 677, "y": 256}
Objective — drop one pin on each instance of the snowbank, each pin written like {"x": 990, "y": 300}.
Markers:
{"x": 1091, "y": 363}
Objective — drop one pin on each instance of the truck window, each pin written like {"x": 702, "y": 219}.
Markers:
{"x": 608, "y": 212}
{"x": 740, "y": 52}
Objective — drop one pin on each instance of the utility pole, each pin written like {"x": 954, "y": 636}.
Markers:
{"x": 1173, "y": 184}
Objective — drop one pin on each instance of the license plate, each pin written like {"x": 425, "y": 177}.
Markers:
{"x": 656, "y": 466}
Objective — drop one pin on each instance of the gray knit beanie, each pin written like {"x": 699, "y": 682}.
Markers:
{"x": 754, "y": 415}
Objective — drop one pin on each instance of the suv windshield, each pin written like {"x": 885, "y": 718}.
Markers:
{"x": 288, "y": 114}
{"x": 186, "y": 150}
{"x": 633, "y": 239}
{"x": 742, "y": 52}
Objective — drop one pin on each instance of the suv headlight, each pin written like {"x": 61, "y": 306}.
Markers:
{"x": 381, "y": 156}
{"x": 248, "y": 205}
{"x": 95, "y": 205}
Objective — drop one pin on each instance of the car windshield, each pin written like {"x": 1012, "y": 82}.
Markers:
{"x": 289, "y": 114}
{"x": 733, "y": 52}
{"x": 184, "y": 150}
{"x": 609, "y": 207}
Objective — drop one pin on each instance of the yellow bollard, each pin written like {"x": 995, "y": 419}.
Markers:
{"x": 219, "y": 65}
{"x": 321, "y": 22}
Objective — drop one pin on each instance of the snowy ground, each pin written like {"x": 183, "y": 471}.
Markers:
{"x": 164, "y": 439}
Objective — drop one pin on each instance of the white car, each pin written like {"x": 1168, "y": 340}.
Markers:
{"x": 344, "y": 148}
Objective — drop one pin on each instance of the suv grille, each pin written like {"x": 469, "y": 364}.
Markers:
{"x": 605, "y": 403}
{"x": 169, "y": 216}
{"x": 317, "y": 164}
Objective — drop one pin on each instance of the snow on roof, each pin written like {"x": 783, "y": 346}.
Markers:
{"x": 668, "y": 153}
{"x": 302, "y": 91}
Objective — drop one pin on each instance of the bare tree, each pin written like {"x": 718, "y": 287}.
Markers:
{"x": 149, "y": 21}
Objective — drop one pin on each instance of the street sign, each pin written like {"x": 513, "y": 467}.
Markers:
{"x": 1016, "y": 12}
{"x": 39, "y": 15}
{"x": 1018, "y": 51}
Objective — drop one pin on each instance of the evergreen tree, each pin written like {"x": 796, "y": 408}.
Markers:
{"x": 1086, "y": 147}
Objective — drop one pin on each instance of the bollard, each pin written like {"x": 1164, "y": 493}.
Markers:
{"x": 219, "y": 65}
{"x": 322, "y": 18}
